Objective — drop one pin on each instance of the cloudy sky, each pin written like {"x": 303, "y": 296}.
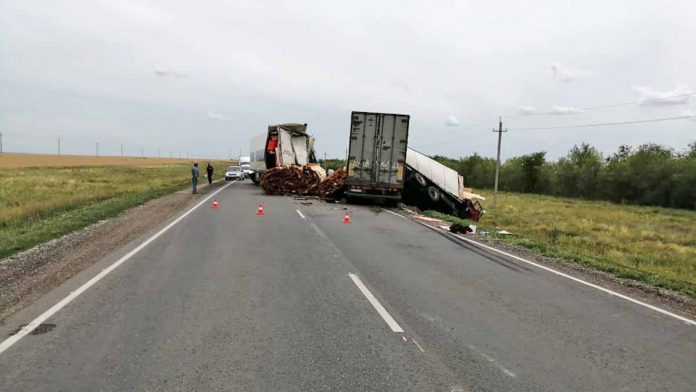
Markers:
{"x": 206, "y": 76}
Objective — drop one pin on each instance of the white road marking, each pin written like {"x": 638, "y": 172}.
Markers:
{"x": 395, "y": 327}
{"x": 492, "y": 360}
{"x": 27, "y": 329}
{"x": 553, "y": 271}
{"x": 301, "y": 215}
{"x": 418, "y": 345}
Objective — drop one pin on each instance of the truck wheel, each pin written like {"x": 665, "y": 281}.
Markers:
{"x": 420, "y": 179}
{"x": 433, "y": 193}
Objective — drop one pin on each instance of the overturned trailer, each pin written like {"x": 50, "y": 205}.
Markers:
{"x": 431, "y": 185}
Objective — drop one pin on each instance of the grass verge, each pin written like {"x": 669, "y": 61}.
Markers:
{"x": 40, "y": 204}
{"x": 648, "y": 244}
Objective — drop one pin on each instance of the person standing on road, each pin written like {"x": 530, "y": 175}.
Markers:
{"x": 194, "y": 177}
{"x": 209, "y": 170}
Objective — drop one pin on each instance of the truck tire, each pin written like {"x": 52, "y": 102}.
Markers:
{"x": 420, "y": 179}
{"x": 433, "y": 194}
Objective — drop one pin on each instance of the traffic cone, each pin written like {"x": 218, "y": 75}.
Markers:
{"x": 346, "y": 219}
{"x": 216, "y": 205}
{"x": 260, "y": 210}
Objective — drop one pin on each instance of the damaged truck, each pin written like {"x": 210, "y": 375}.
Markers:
{"x": 382, "y": 167}
{"x": 282, "y": 145}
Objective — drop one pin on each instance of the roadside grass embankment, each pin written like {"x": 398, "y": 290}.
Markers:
{"x": 38, "y": 204}
{"x": 648, "y": 244}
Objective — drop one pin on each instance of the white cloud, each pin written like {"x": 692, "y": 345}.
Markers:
{"x": 563, "y": 110}
{"x": 568, "y": 74}
{"x": 164, "y": 72}
{"x": 452, "y": 121}
{"x": 651, "y": 96}
{"x": 690, "y": 113}
{"x": 218, "y": 116}
{"x": 528, "y": 110}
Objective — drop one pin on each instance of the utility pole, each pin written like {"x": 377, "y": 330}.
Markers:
{"x": 0, "y": 143}
{"x": 497, "y": 160}
{"x": 97, "y": 149}
{"x": 121, "y": 151}
{"x": 142, "y": 152}
{"x": 58, "y": 146}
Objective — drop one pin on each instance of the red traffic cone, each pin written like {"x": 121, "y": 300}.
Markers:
{"x": 346, "y": 219}
{"x": 216, "y": 205}
{"x": 260, "y": 210}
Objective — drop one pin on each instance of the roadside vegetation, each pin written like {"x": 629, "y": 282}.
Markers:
{"x": 650, "y": 244}
{"x": 649, "y": 174}
{"x": 38, "y": 204}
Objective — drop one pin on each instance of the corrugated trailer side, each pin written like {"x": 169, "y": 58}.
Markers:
{"x": 376, "y": 155}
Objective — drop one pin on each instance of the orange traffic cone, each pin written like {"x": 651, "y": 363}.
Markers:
{"x": 260, "y": 210}
{"x": 346, "y": 219}
{"x": 216, "y": 205}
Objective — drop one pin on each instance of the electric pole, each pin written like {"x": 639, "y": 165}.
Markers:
{"x": 142, "y": 152}
{"x": 497, "y": 160}
{"x": 58, "y": 146}
{"x": 121, "y": 151}
{"x": 0, "y": 142}
{"x": 97, "y": 149}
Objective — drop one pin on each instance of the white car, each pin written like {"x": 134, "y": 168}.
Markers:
{"x": 246, "y": 169}
{"x": 234, "y": 173}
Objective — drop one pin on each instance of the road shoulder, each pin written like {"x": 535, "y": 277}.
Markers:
{"x": 27, "y": 276}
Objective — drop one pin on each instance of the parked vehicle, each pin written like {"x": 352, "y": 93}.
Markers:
{"x": 234, "y": 173}
{"x": 245, "y": 163}
{"x": 281, "y": 145}
{"x": 376, "y": 155}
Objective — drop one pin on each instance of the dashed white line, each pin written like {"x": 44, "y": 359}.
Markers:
{"x": 301, "y": 215}
{"x": 418, "y": 345}
{"x": 27, "y": 329}
{"x": 553, "y": 271}
{"x": 395, "y": 327}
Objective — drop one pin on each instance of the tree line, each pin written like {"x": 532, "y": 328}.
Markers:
{"x": 650, "y": 174}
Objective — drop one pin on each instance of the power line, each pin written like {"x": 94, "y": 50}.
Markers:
{"x": 611, "y": 105}
{"x": 604, "y": 124}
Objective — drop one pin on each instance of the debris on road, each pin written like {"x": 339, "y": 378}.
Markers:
{"x": 309, "y": 180}
{"x": 332, "y": 184}
{"x": 300, "y": 180}
{"x": 457, "y": 228}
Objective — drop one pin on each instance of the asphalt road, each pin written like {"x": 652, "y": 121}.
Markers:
{"x": 229, "y": 300}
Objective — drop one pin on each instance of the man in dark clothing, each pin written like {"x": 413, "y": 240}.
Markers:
{"x": 194, "y": 177}
{"x": 209, "y": 170}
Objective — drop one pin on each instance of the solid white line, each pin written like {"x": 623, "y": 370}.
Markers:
{"x": 300, "y": 213}
{"x": 553, "y": 271}
{"x": 375, "y": 303}
{"x": 55, "y": 308}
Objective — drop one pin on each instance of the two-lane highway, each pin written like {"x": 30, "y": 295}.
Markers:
{"x": 297, "y": 300}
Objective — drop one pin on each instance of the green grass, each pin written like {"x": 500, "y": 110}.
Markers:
{"x": 39, "y": 204}
{"x": 649, "y": 244}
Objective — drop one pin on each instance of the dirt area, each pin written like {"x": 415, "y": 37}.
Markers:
{"x": 27, "y": 276}
{"x": 666, "y": 299}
